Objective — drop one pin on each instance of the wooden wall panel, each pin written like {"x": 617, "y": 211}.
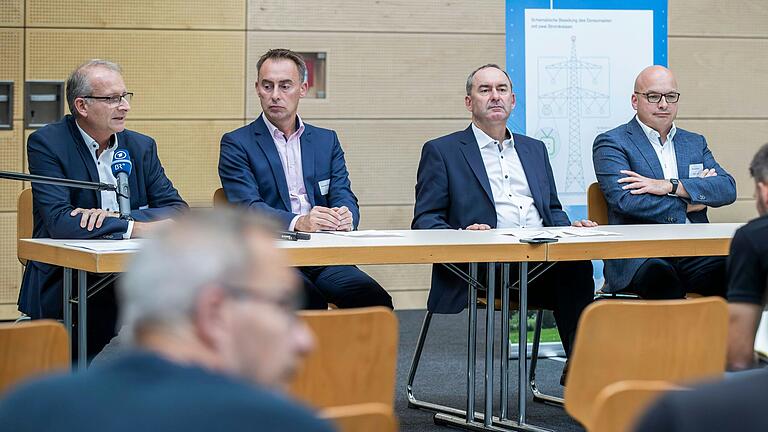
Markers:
{"x": 734, "y": 143}
{"x": 10, "y": 269}
{"x": 386, "y": 217}
{"x": 743, "y": 210}
{"x": 381, "y": 75}
{"x": 430, "y": 16}
{"x": 11, "y": 159}
{"x": 401, "y": 277}
{"x": 410, "y": 299}
{"x": 383, "y": 155}
{"x": 189, "y": 151}
{"x": 11, "y": 14}
{"x": 175, "y": 74}
{"x": 721, "y": 78}
{"x": 12, "y": 66}
{"x": 718, "y": 18}
{"x": 166, "y": 14}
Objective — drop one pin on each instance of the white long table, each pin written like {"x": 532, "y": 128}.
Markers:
{"x": 432, "y": 247}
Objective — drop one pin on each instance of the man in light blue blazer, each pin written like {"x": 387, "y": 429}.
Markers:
{"x": 295, "y": 173}
{"x": 654, "y": 172}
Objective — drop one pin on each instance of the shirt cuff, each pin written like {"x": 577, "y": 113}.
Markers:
{"x": 129, "y": 231}
{"x": 292, "y": 225}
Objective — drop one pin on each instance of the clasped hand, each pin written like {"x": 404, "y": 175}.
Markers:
{"x": 324, "y": 218}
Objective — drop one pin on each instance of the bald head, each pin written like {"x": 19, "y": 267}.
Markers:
{"x": 653, "y": 74}
{"x": 655, "y": 99}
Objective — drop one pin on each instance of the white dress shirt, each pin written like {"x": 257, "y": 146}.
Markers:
{"x": 511, "y": 194}
{"x": 104, "y": 167}
{"x": 289, "y": 149}
{"x": 665, "y": 151}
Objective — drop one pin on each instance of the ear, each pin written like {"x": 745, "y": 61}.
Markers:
{"x": 468, "y": 102}
{"x": 634, "y": 101}
{"x": 80, "y": 107}
{"x": 303, "y": 89}
{"x": 514, "y": 101}
{"x": 762, "y": 192}
{"x": 209, "y": 318}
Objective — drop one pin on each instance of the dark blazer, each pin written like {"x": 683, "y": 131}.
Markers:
{"x": 252, "y": 175}
{"x": 58, "y": 150}
{"x": 627, "y": 148}
{"x": 453, "y": 191}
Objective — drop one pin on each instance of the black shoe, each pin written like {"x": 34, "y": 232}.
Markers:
{"x": 564, "y": 374}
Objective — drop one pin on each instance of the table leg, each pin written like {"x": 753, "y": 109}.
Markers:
{"x": 82, "y": 320}
{"x": 489, "y": 323}
{"x": 67, "y": 288}
{"x": 471, "y": 343}
{"x": 504, "y": 399}
{"x": 523, "y": 344}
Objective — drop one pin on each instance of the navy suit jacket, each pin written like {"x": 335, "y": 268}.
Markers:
{"x": 58, "y": 150}
{"x": 627, "y": 148}
{"x": 252, "y": 175}
{"x": 453, "y": 191}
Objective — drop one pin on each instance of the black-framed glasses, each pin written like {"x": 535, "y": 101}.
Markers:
{"x": 114, "y": 100}
{"x": 672, "y": 97}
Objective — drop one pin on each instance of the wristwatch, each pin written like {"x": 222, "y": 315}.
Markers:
{"x": 674, "y": 182}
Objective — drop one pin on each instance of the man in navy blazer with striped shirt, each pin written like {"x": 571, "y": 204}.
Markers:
{"x": 486, "y": 177}
{"x": 295, "y": 173}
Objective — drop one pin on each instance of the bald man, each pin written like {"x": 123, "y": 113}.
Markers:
{"x": 653, "y": 172}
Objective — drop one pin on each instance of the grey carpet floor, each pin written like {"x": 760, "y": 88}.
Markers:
{"x": 441, "y": 376}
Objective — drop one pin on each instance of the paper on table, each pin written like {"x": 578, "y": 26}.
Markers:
{"x": 556, "y": 232}
{"x": 364, "y": 233}
{"x": 107, "y": 245}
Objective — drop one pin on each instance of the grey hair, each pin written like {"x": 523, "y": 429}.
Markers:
{"x": 489, "y": 65}
{"x": 163, "y": 282}
{"x": 758, "y": 169}
{"x": 79, "y": 83}
{"x": 285, "y": 54}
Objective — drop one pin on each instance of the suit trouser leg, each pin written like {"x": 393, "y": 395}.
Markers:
{"x": 348, "y": 286}
{"x": 672, "y": 278}
{"x": 703, "y": 275}
{"x": 313, "y": 298}
{"x": 102, "y": 320}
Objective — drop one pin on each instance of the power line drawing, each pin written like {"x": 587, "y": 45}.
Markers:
{"x": 571, "y": 89}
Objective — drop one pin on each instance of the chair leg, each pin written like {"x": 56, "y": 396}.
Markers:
{"x": 538, "y": 396}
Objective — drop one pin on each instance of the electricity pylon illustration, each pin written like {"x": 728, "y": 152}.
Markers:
{"x": 578, "y": 101}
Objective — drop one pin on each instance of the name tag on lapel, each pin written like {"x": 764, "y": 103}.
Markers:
{"x": 324, "y": 185}
{"x": 694, "y": 170}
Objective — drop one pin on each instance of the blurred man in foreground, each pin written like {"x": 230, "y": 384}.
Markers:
{"x": 210, "y": 309}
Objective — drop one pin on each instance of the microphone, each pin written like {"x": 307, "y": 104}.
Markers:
{"x": 294, "y": 235}
{"x": 121, "y": 169}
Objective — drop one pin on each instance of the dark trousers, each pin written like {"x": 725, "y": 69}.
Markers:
{"x": 101, "y": 317}
{"x": 344, "y": 286}
{"x": 673, "y": 278}
{"x": 566, "y": 288}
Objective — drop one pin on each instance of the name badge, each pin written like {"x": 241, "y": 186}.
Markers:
{"x": 694, "y": 170}
{"x": 324, "y": 185}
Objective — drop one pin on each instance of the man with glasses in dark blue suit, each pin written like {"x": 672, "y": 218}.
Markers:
{"x": 81, "y": 147}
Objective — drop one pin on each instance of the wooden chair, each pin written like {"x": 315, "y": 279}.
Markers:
{"x": 668, "y": 340}
{"x": 368, "y": 417}
{"x": 220, "y": 198}
{"x": 30, "y": 349}
{"x": 354, "y": 359}
{"x": 619, "y": 406}
{"x": 24, "y": 218}
{"x": 597, "y": 207}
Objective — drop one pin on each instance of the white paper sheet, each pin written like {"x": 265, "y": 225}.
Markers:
{"x": 107, "y": 245}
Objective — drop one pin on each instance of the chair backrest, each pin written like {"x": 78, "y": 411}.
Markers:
{"x": 24, "y": 219}
{"x": 29, "y": 349}
{"x": 368, "y": 417}
{"x": 220, "y": 198}
{"x": 597, "y": 207}
{"x": 619, "y": 406}
{"x": 354, "y": 359}
{"x": 668, "y": 340}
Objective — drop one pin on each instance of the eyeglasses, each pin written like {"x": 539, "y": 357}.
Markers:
{"x": 287, "y": 304}
{"x": 112, "y": 100}
{"x": 656, "y": 97}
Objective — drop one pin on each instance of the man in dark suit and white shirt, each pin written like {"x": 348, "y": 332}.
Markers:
{"x": 81, "y": 147}
{"x": 295, "y": 172}
{"x": 486, "y": 177}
